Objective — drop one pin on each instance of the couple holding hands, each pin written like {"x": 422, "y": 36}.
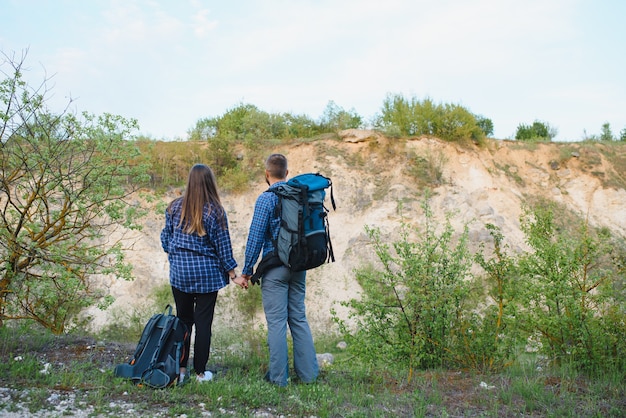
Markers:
{"x": 197, "y": 242}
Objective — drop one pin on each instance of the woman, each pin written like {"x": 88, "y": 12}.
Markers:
{"x": 199, "y": 249}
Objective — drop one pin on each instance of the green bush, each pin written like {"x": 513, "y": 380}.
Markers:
{"x": 412, "y": 302}
{"x": 221, "y": 155}
{"x": 245, "y": 123}
{"x": 457, "y": 125}
{"x": 237, "y": 124}
{"x": 570, "y": 297}
{"x": 411, "y": 117}
{"x": 422, "y": 308}
{"x": 248, "y": 128}
{"x": 488, "y": 335}
{"x": 538, "y": 131}
{"x": 169, "y": 161}
{"x": 299, "y": 126}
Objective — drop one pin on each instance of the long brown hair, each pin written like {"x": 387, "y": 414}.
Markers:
{"x": 201, "y": 189}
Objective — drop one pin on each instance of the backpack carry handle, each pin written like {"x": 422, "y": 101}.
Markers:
{"x": 332, "y": 198}
{"x": 314, "y": 181}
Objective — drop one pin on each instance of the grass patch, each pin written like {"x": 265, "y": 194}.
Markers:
{"x": 80, "y": 378}
{"x": 427, "y": 169}
{"x": 615, "y": 154}
{"x": 511, "y": 172}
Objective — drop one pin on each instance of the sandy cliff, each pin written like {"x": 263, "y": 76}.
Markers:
{"x": 373, "y": 185}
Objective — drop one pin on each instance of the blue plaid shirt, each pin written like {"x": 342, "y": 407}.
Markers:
{"x": 263, "y": 229}
{"x": 197, "y": 264}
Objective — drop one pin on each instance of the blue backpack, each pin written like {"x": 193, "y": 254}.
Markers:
{"x": 304, "y": 240}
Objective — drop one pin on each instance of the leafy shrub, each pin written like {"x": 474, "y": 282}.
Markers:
{"x": 412, "y": 117}
{"x": 245, "y": 122}
{"x": 237, "y": 124}
{"x": 235, "y": 179}
{"x": 251, "y": 128}
{"x": 222, "y": 156}
{"x": 538, "y": 131}
{"x": 570, "y": 299}
{"x": 169, "y": 162}
{"x": 299, "y": 126}
{"x": 488, "y": 338}
{"x": 457, "y": 125}
{"x": 422, "y": 308}
{"x": 412, "y": 303}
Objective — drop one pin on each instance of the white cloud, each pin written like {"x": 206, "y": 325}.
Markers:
{"x": 169, "y": 63}
{"x": 202, "y": 24}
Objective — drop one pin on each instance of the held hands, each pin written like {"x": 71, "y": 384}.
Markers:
{"x": 241, "y": 281}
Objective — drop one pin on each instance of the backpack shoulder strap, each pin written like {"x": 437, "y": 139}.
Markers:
{"x": 167, "y": 329}
{"x": 145, "y": 335}
{"x": 277, "y": 213}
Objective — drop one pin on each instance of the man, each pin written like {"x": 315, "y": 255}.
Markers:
{"x": 282, "y": 290}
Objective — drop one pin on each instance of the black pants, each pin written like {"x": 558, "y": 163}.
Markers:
{"x": 196, "y": 309}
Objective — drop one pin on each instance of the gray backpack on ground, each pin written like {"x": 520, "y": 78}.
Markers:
{"x": 158, "y": 353}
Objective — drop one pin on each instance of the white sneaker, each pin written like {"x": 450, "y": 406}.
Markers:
{"x": 208, "y": 376}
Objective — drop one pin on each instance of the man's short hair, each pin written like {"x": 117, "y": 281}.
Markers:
{"x": 276, "y": 165}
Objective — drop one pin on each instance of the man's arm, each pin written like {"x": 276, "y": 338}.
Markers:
{"x": 256, "y": 235}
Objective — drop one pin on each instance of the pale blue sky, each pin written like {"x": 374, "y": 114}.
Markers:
{"x": 170, "y": 63}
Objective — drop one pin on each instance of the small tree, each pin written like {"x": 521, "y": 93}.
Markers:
{"x": 336, "y": 118}
{"x": 485, "y": 124}
{"x": 606, "y": 133}
{"x": 64, "y": 183}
